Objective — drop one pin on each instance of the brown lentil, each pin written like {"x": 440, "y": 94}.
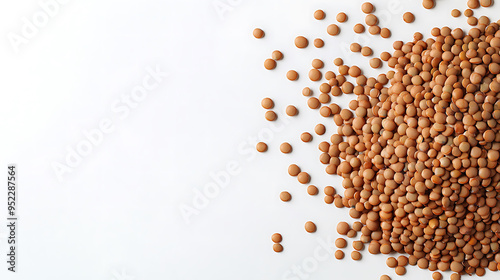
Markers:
{"x": 301, "y": 42}
{"x": 277, "y": 55}
{"x": 261, "y": 147}
{"x": 291, "y": 110}
{"x": 341, "y": 17}
{"x": 319, "y": 14}
{"x": 318, "y": 43}
{"x": 408, "y": 17}
{"x": 292, "y": 75}
{"x": 276, "y": 238}
{"x": 270, "y": 116}
{"x": 339, "y": 254}
{"x": 285, "y": 196}
{"x": 258, "y": 33}
{"x": 286, "y": 148}
{"x": 277, "y": 247}
{"x": 333, "y": 29}
{"x": 310, "y": 227}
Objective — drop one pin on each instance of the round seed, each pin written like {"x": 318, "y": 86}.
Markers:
{"x": 267, "y": 103}
{"x": 306, "y": 137}
{"x": 371, "y": 20}
{"x": 391, "y": 262}
{"x": 375, "y": 63}
{"x": 367, "y": 8}
{"x": 359, "y": 28}
{"x": 291, "y": 110}
{"x": 261, "y": 147}
{"x": 277, "y": 55}
{"x": 312, "y": 190}
{"x": 270, "y": 116}
{"x": 318, "y": 43}
{"x": 313, "y": 103}
{"x": 341, "y": 17}
{"x": 437, "y": 276}
{"x": 343, "y": 228}
{"x": 385, "y": 277}
{"x": 292, "y": 75}
{"x": 320, "y": 129}
{"x": 293, "y": 170}
{"x": 366, "y": 51}
{"x": 317, "y": 64}
{"x": 339, "y": 254}
{"x": 355, "y": 255}
{"x": 306, "y": 91}
{"x": 303, "y": 178}
{"x": 358, "y": 245}
{"x": 301, "y": 42}
{"x": 486, "y": 3}
{"x": 408, "y": 17}
{"x": 428, "y": 4}
{"x": 258, "y": 33}
{"x": 286, "y": 148}
{"x": 473, "y": 4}
{"x": 400, "y": 270}
{"x": 385, "y": 33}
{"x": 340, "y": 243}
{"x": 455, "y": 13}
{"x": 285, "y": 196}
{"x": 276, "y": 238}
{"x": 333, "y": 29}
{"x": 269, "y": 64}
{"x": 277, "y": 247}
{"x": 310, "y": 227}
{"x": 319, "y": 15}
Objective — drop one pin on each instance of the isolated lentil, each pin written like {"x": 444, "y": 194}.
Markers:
{"x": 339, "y": 254}
{"x": 267, "y": 103}
{"x": 455, "y": 13}
{"x": 269, "y": 64}
{"x": 343, "y": 228}
{"x": 293, "y": 170}
{"x": 366, "y": 51}
{"x": 371, "y": 20}
{"x": 367, "y": 8}
{"x": 318, "y": 43}
{"x": 301, "y": 42}
{"x": 277, "y": 247}
{"x": 291, "y": 110}
{"x": 292, "y": 75}
{"x": 333, "y": 29}
{"x": 312, "y": 190}
{"x": 357, "y": 245}
{"x": 276, "y": 238}
{"x": 400, "y": 270}
{"x": 374, "y": 30}
{"x": 320, "y": 129}
{"x": 319, "y": 14}
{"x": 286, "y": 148}
{"x": 285, "y": 196}
{"x": 385, "y": 33}
{"x": 317, "y": 63}
{"x": 306, "y": 91}
{"x": 408, "y": 17}
{"x": 468, "y": 13}
{"x": 437, "y": 276}
{"x": 486, "y": 3}
{"x": 258, "y": 33}
{"x": 359, "y": 28}
{"x": 473, "y": 4}
{"x": 428, "y": 4}
{"x": 261, "y": 147}
{"x": 355, "y": 255}
{"x": 385, "y": 277}
{"x": 341, "y": 17}
{"x": 375, "y": 63}
{"x": 303, "y": 178}
{"x": 310, "y": 227}
{"x": 277, "y": 55}
{"x": 270, "y": 116}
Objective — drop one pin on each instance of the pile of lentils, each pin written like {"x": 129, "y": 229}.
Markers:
{"x": 418, "y": 148}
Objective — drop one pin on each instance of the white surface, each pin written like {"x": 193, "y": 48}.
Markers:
{"x": 117, "y": 215}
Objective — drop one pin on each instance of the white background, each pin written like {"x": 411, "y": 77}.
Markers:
{"x": 117, "y": 215}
